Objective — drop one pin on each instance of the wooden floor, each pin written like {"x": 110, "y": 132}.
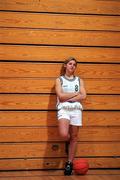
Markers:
{"x": 58, "y": 175}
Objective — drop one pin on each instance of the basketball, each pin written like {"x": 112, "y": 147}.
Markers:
{"x": 80, "y": 166}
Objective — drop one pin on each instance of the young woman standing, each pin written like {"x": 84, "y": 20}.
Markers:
{"x": 70, "y": 91}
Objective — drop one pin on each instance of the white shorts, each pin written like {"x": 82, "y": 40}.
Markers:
{"x": 74, "y": 116}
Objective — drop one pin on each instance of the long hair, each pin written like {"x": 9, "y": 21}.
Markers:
{"x": 63, "y": 69}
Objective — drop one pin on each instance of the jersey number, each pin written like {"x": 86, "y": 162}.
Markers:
{"x": 76, "y": 87}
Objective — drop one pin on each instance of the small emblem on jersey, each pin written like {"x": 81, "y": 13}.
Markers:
{"x": 76, "y": 87}
{"x": 65, "y": 86}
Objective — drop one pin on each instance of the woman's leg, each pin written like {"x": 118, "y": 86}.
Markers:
{"x": 73, "y": 142}
{"x": 64, "y": 129}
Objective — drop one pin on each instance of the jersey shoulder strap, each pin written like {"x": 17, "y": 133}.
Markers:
{"x": 78, "y": 80}
{"x": 61, "y": 80}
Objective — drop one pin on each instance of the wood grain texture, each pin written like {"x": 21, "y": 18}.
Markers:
{"x": 59, "y": 21}
{"x": 59, "y": 54}
{"x": 41, "y": 134}
{"x": 49, "y": 118}
{"x": 59, "y": 173}
{"x": 41, "y": 150}
{"x": 69, "y": 6}
{"x": 59, "y": 37}
{"x": 50, "y": 70}
{"x": 48, "y": 102}
{"x": 35, "y": 38}
{"x": 46, "y": 85}
{"x": 56, "y": 163}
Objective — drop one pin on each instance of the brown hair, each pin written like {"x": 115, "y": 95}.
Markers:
{"x": 63, "y": 69}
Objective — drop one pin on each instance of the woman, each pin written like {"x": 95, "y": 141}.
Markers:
{"x": 70, "y": 91}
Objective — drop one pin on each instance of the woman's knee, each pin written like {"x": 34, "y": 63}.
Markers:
{"x": 64, "y": 134}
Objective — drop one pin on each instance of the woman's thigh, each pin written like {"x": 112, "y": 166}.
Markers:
{"x": 64, "y": 127}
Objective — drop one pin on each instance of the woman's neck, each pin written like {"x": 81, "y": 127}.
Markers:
{"x": 69, "y": 76}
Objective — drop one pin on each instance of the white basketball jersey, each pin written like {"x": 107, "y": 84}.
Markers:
{"x": 69, "y": 85}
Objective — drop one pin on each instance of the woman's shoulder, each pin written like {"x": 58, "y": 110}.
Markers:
{"x": 59, "y": 79}
{"x": 78, "y": 77}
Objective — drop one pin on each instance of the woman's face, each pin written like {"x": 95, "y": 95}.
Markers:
{"x": 70, "y": 66}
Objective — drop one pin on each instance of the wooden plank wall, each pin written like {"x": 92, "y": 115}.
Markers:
{"x": 35, "y": 38}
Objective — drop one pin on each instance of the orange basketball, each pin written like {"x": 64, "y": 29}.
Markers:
{"x": 80, "y": 166}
